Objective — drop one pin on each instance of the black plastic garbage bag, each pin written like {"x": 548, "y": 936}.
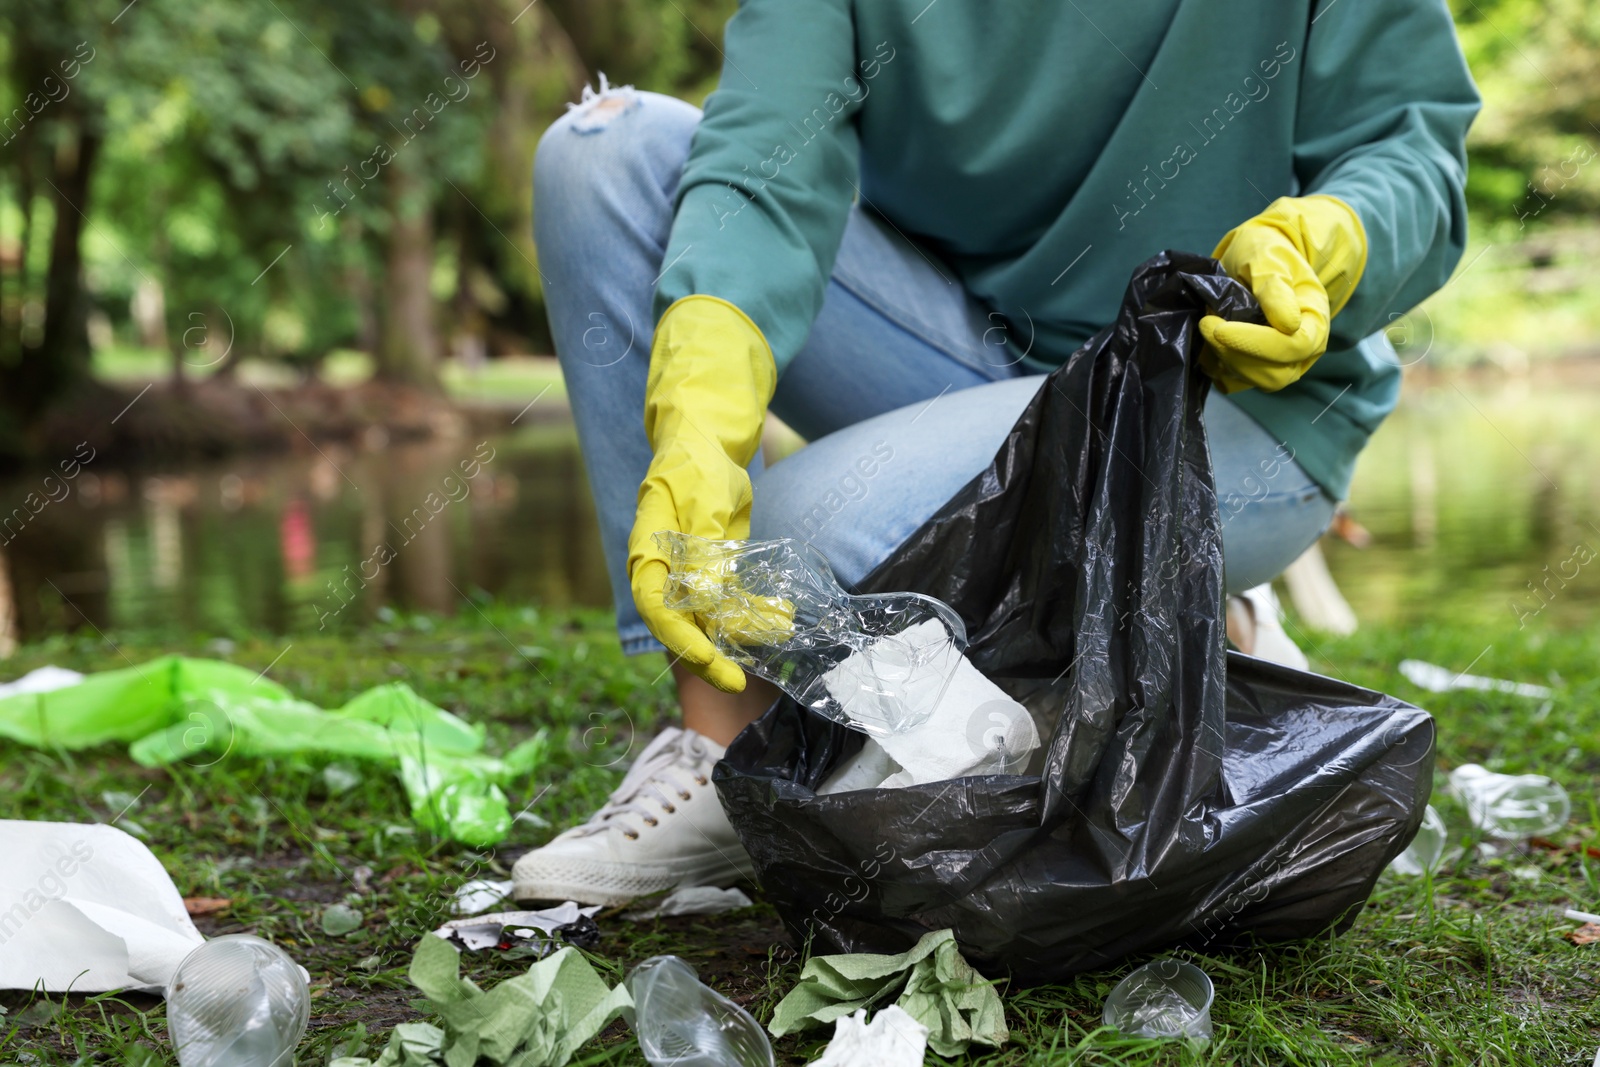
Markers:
{"x": 1188, "y": 794}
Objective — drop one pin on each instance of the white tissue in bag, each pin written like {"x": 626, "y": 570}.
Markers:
{"x": 970, "y": 727}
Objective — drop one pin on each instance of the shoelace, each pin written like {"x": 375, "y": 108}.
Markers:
{"x": 651, "y": 785}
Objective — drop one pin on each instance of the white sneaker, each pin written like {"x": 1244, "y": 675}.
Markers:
{"x": 662, "y": 828}
{"x": 1256, "y": 625}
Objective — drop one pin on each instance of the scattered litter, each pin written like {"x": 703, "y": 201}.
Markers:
{"x": 370, "y": 964}
{"x": 198, "y": 711}
{"x": 535, "y": 932}
{"x": 1437, "y": 679}
{"x": 1164, "y": 998}
{"x": 941, "y": 991}
{"x": 90, "y": 909}
{"x": 480, "y": 894}
{"x": 198, "y": 906}
{"x": 680, "y": 1020}
{"x": 537, "y": 1019}
{"x": 410, "y": 1045}
{"x": 1511, "y": 807}
{"x": 1426, "y": 849}
{"x": 340, "y": 778}
{"x": 341, "y": 919}
{"x": 361, "y": 878}
{"x": 1587, "y": 934}
{"x": 691, "y": 900}
{"x": 237, "y": 1001}
{"x": 41, "y": 680}
{"x": 1582, "y": 916}
{"x": 119, "y": 802}
{"x": 892, "y": 1039}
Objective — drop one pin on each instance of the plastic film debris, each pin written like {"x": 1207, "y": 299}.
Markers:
{"x": 1511, "y": 807}
{"x": 1426, "y": 850}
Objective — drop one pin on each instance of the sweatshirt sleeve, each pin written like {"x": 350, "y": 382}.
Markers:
{"x": 762, "y": 204}
{"x": 1385, "y": 103}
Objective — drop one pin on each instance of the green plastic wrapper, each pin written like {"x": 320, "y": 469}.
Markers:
{"x": 181, "y": 710}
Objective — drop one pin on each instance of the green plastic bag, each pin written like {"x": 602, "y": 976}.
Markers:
{"x": 177, "y": 709}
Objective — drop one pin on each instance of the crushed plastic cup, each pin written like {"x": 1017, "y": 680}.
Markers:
{"x": 1511, "y": 807}
{"x": 237, "y": 1001}
{"x": 682, "y": 1022}
{"x": 879, "y": 664}
{"x": 1164, "y": 998}
{"x": 1425, "y": 850}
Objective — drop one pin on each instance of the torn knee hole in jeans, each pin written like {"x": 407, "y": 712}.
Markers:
{"x": 596, "y": 108}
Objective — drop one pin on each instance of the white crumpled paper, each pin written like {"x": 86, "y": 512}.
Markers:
{"x": 45, "y": 679}
{"x": 87, "y": 908}
{"x": 485, "y": 931}
{"x": 892, "y": 1039}
{"x": 480, "y": 894}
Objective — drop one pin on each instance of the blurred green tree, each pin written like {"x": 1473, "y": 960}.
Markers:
{"x": 282, "y": 177}
{"x": 1533, "y": 152}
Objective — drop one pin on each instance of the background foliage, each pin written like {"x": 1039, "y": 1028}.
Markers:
{"x": 281, "y": 179}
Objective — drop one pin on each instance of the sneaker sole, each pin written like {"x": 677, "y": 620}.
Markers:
{"x": 565, "y": 883}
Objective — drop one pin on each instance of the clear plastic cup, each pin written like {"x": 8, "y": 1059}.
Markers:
{"x": 1511, "y": 807}
{"x": 1425, "y": 850}
{"x": 879, "y": 664}
{"x": 682, "y": 1022}
{"x": 1164, "y": 998}
{"x": 237, "y": 1001}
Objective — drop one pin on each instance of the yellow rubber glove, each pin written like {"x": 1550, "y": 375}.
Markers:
{"x": 711, "y": 377}
{"x": 1302, "y": 257}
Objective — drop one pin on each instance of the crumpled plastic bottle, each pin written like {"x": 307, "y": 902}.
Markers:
{"x": 237, "y": 1001}
{"x": 1511, "y": 807}
{"x": 682, "y": 1022}
{"x": 879, "y": 664}
{"x": 1164, "y": 998}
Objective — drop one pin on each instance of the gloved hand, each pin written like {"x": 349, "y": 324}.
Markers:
{"x": 1302, "y": 257}
{"x": 711, "y": 377}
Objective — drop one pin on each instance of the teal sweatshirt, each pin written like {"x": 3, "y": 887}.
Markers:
{"x": 1046, "y": 149}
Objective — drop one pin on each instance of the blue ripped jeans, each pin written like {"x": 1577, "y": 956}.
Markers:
{"x": 899, "y": 388}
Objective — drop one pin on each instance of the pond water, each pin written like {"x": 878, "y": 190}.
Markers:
{"x": 1482, "y": 499}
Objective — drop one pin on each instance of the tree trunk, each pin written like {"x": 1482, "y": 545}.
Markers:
{"x": 62, "y": 358}
{"x": 358, "y": 287}
{"x": 409, "y": 352}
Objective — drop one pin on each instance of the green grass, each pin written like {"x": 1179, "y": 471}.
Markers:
{"x": 1468, "y": 968}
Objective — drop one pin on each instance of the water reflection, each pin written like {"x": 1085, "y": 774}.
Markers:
{"x": 1483, "y": 501}
{"x": 1471, "y": 490}
{"x": 280, "y": 542}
